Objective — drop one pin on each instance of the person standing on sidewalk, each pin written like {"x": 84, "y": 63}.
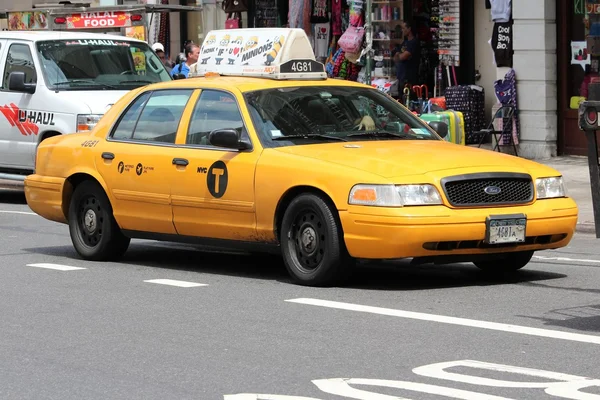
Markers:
{"x": 160, "y": 52}
{"x": 407, "y": 59}
{"x": 192, "y": 52}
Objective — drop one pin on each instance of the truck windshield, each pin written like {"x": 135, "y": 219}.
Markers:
{"x": 84, "y": 64}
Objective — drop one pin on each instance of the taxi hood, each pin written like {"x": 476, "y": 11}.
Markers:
{"x": 396, "y": 158}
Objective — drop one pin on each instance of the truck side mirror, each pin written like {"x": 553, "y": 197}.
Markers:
{"x": 16, "y": 83}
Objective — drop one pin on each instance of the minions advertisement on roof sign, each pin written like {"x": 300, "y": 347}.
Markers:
{"x": 277, "y": 53}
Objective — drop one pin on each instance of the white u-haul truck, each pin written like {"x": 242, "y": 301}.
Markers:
{"x": 58, "y": 77}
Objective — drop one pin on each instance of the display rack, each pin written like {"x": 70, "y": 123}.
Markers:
{"x": 386, "y": 35}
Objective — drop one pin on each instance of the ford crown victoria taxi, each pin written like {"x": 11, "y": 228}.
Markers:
{"x": 267, "y": 153}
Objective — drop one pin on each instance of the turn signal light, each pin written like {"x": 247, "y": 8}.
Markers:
{"x": 60, "y": 20}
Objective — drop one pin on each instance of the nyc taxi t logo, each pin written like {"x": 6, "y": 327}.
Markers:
{"x": 216, "y": 178}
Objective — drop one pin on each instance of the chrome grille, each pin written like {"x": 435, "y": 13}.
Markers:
{"x": 488, "y": 189}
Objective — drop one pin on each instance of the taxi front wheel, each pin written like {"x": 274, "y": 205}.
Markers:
{"x": 312, "y": 242}
{"x": 509, "y": 263}
{"x": 94, "y": 231}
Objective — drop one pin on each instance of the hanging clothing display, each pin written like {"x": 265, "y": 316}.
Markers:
{"x": 299, "y": 15}
{"x": 502, "y": 44}
{"x": 164, "y": 30}
{"x": 506, "y": 92}
{"x": 501, "y": 10}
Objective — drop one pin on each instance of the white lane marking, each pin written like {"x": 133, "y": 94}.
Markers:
{"x": 57, "y": 267}
{"x": 524, "y": 330}
{"x": 172, "y": 282}
{"x": 567, "y": 259}
{"x": 16, "y": 212}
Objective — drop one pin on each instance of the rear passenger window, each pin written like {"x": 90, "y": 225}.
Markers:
{"x": 19, "y": 59}
{"x": 161, "y": 115}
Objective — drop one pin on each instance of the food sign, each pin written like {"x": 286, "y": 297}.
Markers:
{"x": 27, "y": 20}
{"x": 101, "y": 19}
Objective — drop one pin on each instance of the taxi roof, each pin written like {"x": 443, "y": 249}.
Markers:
{"x": 274, "y": 53}
{"x": 248, "y": 84}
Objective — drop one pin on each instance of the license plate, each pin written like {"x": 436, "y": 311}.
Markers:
{"x": 502, "y": 229}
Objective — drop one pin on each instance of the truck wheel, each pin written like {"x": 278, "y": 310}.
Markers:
{"x": 312, "y": 242}
{"x": 509, "y": 263}
{"x": 94, "y": 231}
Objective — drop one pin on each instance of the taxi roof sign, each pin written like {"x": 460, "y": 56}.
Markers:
{"x": 275, "y": 53}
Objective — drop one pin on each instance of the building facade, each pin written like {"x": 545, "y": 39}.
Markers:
{"x": 542, "y": 39}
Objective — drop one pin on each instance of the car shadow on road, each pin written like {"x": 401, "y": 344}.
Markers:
{"x": 389, "y": 276}
{"x": 12, "y": 197}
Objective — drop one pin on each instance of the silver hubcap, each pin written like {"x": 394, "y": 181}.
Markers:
{"x": 309, "y": 237}
{"x": 89, "y": 221}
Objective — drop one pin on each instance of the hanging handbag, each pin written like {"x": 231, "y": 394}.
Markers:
{"x": 351, "y": 40}
{"x": 234, "y": 21}
{"x": 235, "y": 6}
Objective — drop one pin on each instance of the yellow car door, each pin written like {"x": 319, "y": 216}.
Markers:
{"x": 138, "y": 160}
{"x": 213, "y": 194}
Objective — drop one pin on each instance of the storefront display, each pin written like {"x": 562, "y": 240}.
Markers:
{"x": 431, "y": 30}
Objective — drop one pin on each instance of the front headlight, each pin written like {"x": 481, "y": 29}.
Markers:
{"x": 394, "y": 195}
{"x": 86, "y": 122}
{"x": 548, "y": 188}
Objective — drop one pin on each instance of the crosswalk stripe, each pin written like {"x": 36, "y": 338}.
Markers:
{"x": 57, "y": 267}
{"x": 172, "y": 282}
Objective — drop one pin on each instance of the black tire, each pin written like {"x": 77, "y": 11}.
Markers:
{"x": 312, "y": 242}
{"x": 101, "y": 239}
{"x": 509, "y": 263}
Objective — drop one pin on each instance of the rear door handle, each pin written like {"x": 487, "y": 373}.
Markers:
{"x": 180, "y": 161}
{"x": 108, "y": 156}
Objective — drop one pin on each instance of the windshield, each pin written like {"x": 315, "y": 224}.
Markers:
{"x": 99, "y": 64}
{"x": 306, "y": 115}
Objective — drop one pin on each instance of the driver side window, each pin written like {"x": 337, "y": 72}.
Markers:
{"x": 214, "y": 110}
{"x": 19, "y": 59}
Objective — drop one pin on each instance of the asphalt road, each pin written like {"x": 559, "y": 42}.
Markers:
{"x": 228, "y": 326}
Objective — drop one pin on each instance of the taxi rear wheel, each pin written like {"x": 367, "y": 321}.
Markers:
{"x": 94, "y": 231}
{"x": 312, "y": 242}
{"x": 509, "y": 263}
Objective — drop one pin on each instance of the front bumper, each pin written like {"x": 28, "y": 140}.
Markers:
{"x": 430, "y": 231}
{"x": 44, "y": 196}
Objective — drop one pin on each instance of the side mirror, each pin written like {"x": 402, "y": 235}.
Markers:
{"x": 440, "y": 127}
{"x": 178, "y": 76}
{"x": 16, "y": 83}
{"x": 227, "y": 138}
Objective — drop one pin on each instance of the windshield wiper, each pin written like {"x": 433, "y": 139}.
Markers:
{"x": 381, "y": 133}
{"x": 135, "y": 81}
{"x": 311, "y": 136}
{"x": 86, "y": 81}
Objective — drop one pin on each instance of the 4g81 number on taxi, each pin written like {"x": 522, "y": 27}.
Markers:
{"x": 300, "y": 66}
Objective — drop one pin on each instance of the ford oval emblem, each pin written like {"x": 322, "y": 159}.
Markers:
{"x": 492, "y": 190}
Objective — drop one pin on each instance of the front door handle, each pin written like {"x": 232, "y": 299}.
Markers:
{"x": 180, "y": 161}
{"x": 108, "y": 156}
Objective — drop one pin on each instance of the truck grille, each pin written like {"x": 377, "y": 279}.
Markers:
{"x": 488, "y": 189}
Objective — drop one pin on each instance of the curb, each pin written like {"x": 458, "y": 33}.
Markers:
{"x": 585, "y": 227}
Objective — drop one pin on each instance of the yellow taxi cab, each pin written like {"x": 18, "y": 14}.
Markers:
{"x": 260, "y": 150}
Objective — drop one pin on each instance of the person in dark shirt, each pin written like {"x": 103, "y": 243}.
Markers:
{"x": 408, "y": 57}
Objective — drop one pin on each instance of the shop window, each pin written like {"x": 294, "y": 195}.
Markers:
{"x": 580, "y": 72}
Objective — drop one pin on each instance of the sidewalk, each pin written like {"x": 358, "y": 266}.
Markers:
{"x": 576, "y": 174}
